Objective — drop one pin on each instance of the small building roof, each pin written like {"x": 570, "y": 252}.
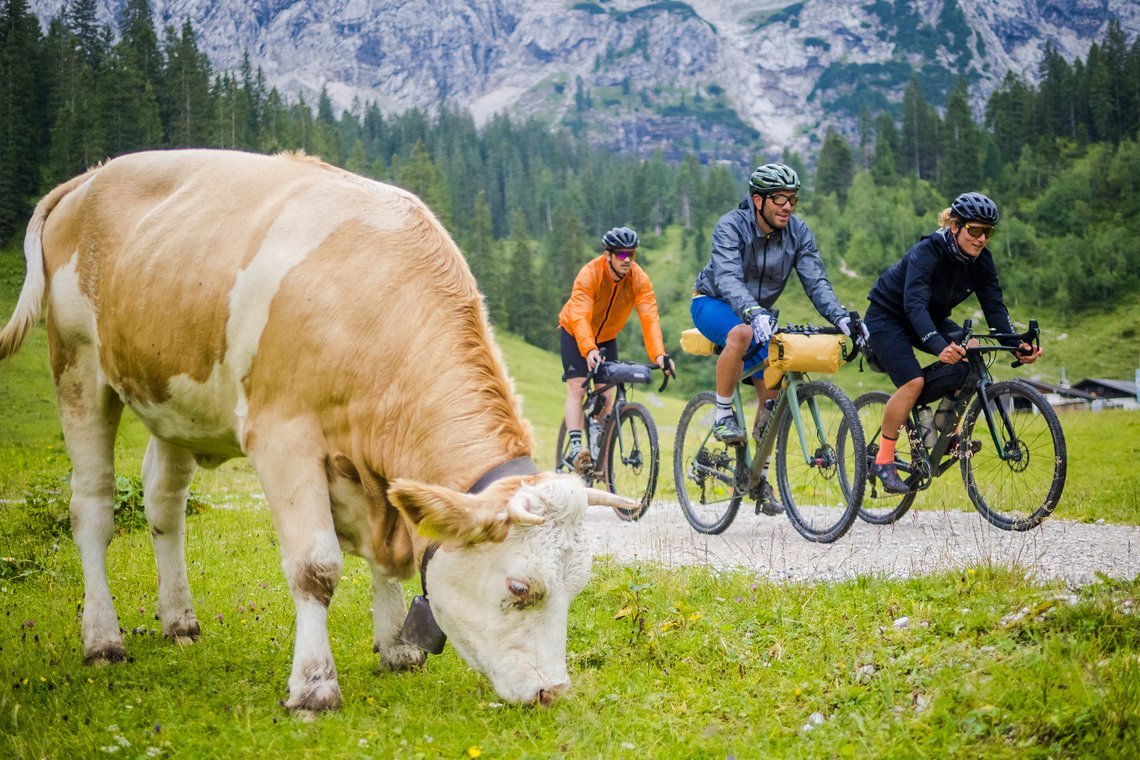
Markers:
{"x": 1107, "y": 388}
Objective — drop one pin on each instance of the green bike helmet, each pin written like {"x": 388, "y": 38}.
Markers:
{"x": 771, "y": 178}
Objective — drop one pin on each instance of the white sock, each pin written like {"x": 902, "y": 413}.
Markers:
{"x": 723, "y": 407}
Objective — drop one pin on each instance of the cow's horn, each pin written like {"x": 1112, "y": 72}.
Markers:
{"x": 596, "y": 497}
{"x": 520, "y": 515}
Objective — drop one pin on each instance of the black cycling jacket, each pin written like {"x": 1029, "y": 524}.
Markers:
{"x": 926, "y": 284}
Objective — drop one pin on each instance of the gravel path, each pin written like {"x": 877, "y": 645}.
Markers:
{"x": 921, "y": 542}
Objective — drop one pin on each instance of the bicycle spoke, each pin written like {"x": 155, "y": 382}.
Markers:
{"x": 1019, "y": 485}
{"x": 880, "y": 507}
{"x": 704, "y": 469}
{"x": 632, "y": 456}
{"x": 820, "y": 502}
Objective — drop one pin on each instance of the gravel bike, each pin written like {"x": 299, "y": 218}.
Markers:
{"x": 623, "y": 446}
{"x": 1004, "y": 436}
{"x": 812, "y": 423}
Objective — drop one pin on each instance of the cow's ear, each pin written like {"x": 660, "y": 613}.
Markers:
{"x": 448, "y": 516}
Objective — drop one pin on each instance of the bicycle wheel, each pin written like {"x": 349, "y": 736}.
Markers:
{"x": 881, "y": 507}
{"x": 1019, "y": 485}
{"x": 632, "y": 456}
{"x": 704, "y": 469}
{"x": 819, "y": 504}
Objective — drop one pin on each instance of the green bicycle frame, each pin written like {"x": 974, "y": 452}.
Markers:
{"x": 790, "y": 383}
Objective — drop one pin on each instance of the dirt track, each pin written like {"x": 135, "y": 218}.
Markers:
{"x": 921, "y": 542}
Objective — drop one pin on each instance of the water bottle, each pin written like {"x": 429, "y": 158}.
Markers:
{"x": 595, "y": 439}
{"x": 926, "y": 426}
{"x": 942, "y": 414}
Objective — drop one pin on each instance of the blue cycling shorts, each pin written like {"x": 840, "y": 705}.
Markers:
{"x": 715, "y": 318}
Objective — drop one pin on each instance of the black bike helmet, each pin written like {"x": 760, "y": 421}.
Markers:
{"x": 619, "y": 237}
{"x": 974, "y": 207}
{"x": 770, "y": 178}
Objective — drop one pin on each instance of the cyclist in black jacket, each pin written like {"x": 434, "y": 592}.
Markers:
{"x": 911, "y": 304}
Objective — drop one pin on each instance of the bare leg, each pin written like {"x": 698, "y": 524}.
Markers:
{"x": 898, "y": 406}
{"x": 730, "y": 363}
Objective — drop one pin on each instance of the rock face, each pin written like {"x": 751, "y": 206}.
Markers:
{"x": 722, "y": 77}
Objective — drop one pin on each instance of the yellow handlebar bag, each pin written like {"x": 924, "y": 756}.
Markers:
{"x": 793, "y": 352}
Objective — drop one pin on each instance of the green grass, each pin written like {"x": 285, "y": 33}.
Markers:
{"x": 678, "y": 663}
{"x": 665, "y": 663}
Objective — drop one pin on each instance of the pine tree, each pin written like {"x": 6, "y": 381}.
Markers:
{"x": 961, "y": 165}
{"x": 76, "y": 139}
{"x": 186, "y": 103}
{"x": 919, "y": 133}
{"x": 525, "y": 315}
{"x": 21, "y": 115}
{"x": 884, "y": 165}
{"x": 132, "y": 119}
{"x": 836, "y": 167}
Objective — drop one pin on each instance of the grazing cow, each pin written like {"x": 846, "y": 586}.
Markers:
{"x": 327, "y": 327}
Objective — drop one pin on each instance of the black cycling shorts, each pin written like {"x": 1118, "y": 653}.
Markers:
{"x": 893, "y": 342}
{"x": 573, "y": 363}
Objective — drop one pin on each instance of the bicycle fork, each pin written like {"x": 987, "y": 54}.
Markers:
{"x": 1005, "y": 449}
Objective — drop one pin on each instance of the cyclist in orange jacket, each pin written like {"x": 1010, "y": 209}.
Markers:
{"x": 605, "y": 292}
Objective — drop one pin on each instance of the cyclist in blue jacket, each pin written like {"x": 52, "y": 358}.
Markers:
{"x": 755, "y": 249}
{"x": 911, "y": 304}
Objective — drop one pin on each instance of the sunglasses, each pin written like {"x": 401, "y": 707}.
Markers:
{"x": 978, "y": 230}
{"x": 623, "y": 255}
{"x": 782, "y": 198}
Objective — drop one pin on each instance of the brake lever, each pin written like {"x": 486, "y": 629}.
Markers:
{"x": 1032, "y": 337}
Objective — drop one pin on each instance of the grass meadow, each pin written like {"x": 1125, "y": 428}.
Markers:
{"x": 665, "y": 662}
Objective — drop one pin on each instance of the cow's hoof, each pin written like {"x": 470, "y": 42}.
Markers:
{"x": 105, "y": 654}
{"x": 401, "y": 657}
{"x": 315, "y": 699}
{"x": 183, "y": 631}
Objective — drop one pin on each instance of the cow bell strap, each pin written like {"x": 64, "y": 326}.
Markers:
{"x": 516, "y": 466}
{"x": 420, "y": 628}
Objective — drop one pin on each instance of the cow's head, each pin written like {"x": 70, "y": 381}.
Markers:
{"x": 511, "y": 560}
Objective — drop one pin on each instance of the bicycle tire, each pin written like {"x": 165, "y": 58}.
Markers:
{"x": 997, "y": 487}
{"x": 881, "y": 507}
{"x": 705, "y": 470}
{"x": 815, "y": 500}
{"x": 631, "y": 473}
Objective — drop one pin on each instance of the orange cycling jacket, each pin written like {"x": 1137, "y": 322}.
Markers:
{"x": 599, "y": 307}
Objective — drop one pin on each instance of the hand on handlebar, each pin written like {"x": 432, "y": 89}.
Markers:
{"x": 952, "y": 354}
{"x": 863, "y": 334}
{"x": 593, "y": 359}
{"x": 667, "y": 365}
{"x": 1027, "y": 354}
{"x": 763, "y": 326}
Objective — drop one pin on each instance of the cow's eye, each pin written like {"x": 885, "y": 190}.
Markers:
{"x": 522, "y": 595}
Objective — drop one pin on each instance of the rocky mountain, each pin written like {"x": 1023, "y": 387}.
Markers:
{"x": 714, "y": 76}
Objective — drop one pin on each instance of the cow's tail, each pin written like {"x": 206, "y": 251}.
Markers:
{"x": 31, "y": 301}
